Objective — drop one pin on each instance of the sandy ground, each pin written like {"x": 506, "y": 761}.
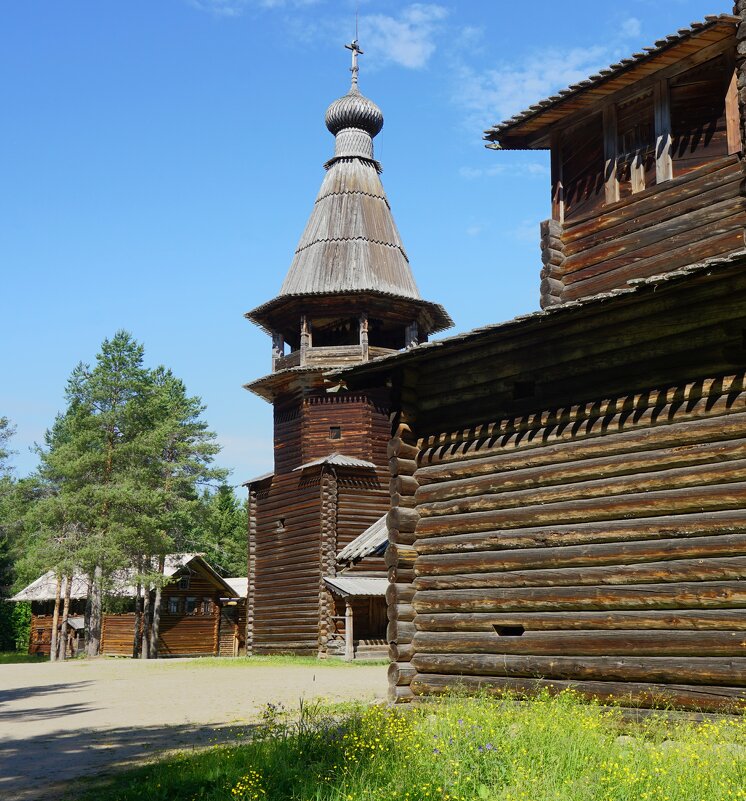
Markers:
{"x": 62, "y": 721}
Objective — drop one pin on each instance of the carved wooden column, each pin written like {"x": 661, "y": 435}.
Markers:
{"x": 278, "y": 349}
{"x": 305, "y": 339}
{"x": 364, "y": 347}
{"x": 349, "y": 632}
{"x": 412, "y": 335}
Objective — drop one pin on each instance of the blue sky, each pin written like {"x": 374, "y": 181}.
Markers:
{"x": 160, "y": 159}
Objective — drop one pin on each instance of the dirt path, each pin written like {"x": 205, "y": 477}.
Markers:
{"x": 59, "y": 722}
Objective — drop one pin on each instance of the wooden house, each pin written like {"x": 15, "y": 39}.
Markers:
{"x": 348, "y": 297}
{"x": 201, "y": 613}
{"x": 571, "y": 500}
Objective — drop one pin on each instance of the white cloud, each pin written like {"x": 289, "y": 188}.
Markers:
{"x": 235, "y": 8}
{"x": 631, "y": 28}
{"x": 407, "y": 40}
{"x": 508, "y": 88}
{"x": 474, "y": 230}
{"x": 518, "y": 170}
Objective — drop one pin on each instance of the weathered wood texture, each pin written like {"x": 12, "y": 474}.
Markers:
{"x": 609, "y": 554}
{"x": 633, "y": 208}
{"x": 299, "y": 520}
{"x": 697, "y": 215}
{"x": 402, "y": 521}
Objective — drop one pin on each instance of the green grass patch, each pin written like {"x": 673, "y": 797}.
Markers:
{"x": 455, "y": 749}
{"x": 276, "y": 660}
{"x": 14, "y": 657}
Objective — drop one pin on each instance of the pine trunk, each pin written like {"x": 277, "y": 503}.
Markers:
{"x": 137, "y": 635}
{"x": 55, "y": 620}
{"x": 94, "y": 637}
{"x": 62, "y": 646}
{"x": 156, "y": 628}
{"x": 145, "y": 649}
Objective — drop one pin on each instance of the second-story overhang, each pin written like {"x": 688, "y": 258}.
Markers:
{"x": 532, "y": 129}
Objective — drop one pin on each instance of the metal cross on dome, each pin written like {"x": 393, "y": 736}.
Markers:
{"x": 356, "y": 51}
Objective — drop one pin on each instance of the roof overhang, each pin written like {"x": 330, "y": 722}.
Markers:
{"x": 278, "y": 313}
{"x": 531, "y": 128}
{"x": 544, "y": 323}
{"x": 362, "y": 587}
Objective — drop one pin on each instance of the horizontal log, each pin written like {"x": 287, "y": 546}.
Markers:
{"x": 643, "y": 529}
{"x": 680, "y": 696}
{"x": 403, "y": 612}
{"x": 402, "y": 467}
{"x": 400, "y": 695}
{"x": 400, "y": 652}
{"x": 397, "y": 500}
{"x": 584, "y": 469}
{"x": 621, "y": 642}
{"x": 399, "y": 594}
{"x": 400, "y": 632}
{"x": 696, "y": 595}
{"x": 704, "y": 570}
{"x": 400, "y": 555}
{"x": 676, "y": 478}
{"x": 730, "y": 671}
{"x": 400, "y": 575}
{"x": 403, "y": 485}
{"x": 646, "y": 504}
{"x": 402, "y": 519}
{"x": 557, "y": 556}
{"x": 402, "y": 537}
{"x": 636, "y": 206}
{"x": 675, "y": 620}
{"x": 503, "y": 451}
{"x": 398, "y": 448}
{"x": 400, "y": 674}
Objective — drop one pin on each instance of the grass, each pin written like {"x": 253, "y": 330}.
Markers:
{"x": 15, "y": 657}
{"x": 455, "y": 749}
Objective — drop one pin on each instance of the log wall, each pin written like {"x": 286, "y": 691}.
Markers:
{"x": 285, "y": 578}
{"x": 699, "y": 215}
{"x": 608, "y": 554}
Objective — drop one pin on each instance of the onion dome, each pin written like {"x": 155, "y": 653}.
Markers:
{"x": 354, "y": 110}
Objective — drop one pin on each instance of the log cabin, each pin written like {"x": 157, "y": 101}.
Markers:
{"x": 571, "y": 500}
{"x": 202, "y": 614}
{"x": 348, "y": 297}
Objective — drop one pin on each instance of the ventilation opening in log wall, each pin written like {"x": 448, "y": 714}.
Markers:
{"x": 509, "y": 631}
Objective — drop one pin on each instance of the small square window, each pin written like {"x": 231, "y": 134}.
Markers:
{"x": 184, "y": 583}
{"x": 335, "y": 432}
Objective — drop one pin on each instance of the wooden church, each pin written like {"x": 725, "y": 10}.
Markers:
{"x": 348, "y": 297}
{"x": 571, "y": 505}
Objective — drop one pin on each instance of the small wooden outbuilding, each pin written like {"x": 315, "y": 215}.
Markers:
{"x": 202, "y": 614}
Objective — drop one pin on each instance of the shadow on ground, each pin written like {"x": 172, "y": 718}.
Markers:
{"x": 21, "y": 693}
{"x": 48, "y": 766}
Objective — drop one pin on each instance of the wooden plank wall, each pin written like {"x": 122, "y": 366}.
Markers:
{"x": 614, "y": 563}
{"x": 697, "y": 216}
